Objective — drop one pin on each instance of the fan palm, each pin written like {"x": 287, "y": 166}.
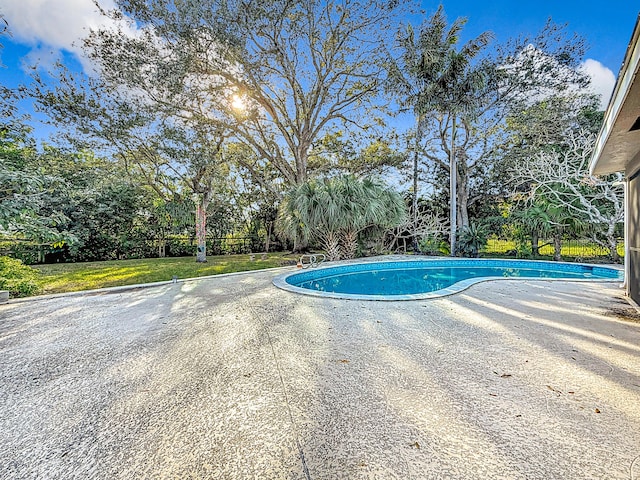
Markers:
{"x": 334, "y": 212}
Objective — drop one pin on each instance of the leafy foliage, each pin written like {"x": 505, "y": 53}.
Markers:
{"x": 433, "y": 245}
{"x": 472, "y": 239}
{"x": 19, "y": 279}
{"x": 23, "y": 187}
{"x": 336, "y": 211}
{"x": 432, "y": 75}
{"x": 99, "y": 208}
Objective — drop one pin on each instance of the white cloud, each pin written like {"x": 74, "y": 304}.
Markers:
{"x": 44, "y": 57}
{"x": 602, "y": 80}
{"x": 54, "y": 25}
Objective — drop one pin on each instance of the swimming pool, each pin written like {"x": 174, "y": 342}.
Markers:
{"x": 422, "y": 279}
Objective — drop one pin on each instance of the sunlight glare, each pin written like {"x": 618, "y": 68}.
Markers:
{"x": 237, "y": 103}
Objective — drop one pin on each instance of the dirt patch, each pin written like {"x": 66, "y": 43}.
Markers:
{"x": 626, "y": 313}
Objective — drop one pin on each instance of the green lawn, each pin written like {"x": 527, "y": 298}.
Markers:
{"x": 570, "y": 249}
{"x": 70, "y": 277}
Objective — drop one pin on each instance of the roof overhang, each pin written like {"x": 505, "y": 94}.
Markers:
{"x": 617, "y": 147}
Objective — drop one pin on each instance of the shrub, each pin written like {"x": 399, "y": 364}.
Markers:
{"x": 20, "y": 279}
{"x": 339, "y": 213}
{"x": 433, "y": 245}
{"x": 471, "y": 239}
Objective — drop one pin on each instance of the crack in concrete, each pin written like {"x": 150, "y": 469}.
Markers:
{"x": 260, "y": 319}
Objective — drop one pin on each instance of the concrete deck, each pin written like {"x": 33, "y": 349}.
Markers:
{"x": 230, "y": 377}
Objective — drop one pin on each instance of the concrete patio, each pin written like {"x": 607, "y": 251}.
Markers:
{"x": 232, "y": 378}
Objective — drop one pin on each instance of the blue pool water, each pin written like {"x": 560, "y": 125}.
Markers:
{"x": 414, "y": 279}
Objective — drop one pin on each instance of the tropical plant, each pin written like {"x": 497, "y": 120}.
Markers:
{"x": 471, "y": 239}
{"x": 563, "y": 223}
{"x": 435, "y": 78}
{"x": 534, "y": 221}
{"x": 336, "y": 211}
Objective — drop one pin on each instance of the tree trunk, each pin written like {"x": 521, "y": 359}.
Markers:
{"x": 349, "y": 244}
{"x": 463, "y": 200}
{"x": 302, "y": 159}
{"x": 299, "y": 245}
{"x": 612, "y": 242}
{"x": 534, "y": 243}
{"x": 331, "y": 244}
{"x": 453, "y": 180}
{"x": 613, "y": 249}
{"x": 415, "y": 186}
{"x": 557, "y": 247}
{"x": 201, "y": 229}
{"x": 267, "y": 241}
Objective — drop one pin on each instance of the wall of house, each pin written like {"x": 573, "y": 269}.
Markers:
{"x": 634, "y": 237}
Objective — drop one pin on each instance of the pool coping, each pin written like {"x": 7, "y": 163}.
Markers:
{"x": 280, "y": 280}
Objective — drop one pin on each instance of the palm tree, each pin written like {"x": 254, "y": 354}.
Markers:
{"x": 433, "y": 77}
{"x": 536, "y": 221}
{"x": 548, "y": 218}
{"x": 334, "y": 212}
{"x": 310, "y": 211}
{"x": 562, "y": 221}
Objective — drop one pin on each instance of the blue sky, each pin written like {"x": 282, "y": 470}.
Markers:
{"x": 44, "y": 30}
{"x": 606, "y": 25}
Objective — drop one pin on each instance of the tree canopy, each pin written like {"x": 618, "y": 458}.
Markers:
{"x": 276, "y": 75}
{"x": 464, "y": 94}
{"x": 218, "y": 108}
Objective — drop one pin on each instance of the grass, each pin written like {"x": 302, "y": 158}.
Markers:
{"x": 71, "y": 277}
{"x": 570, "y": 249}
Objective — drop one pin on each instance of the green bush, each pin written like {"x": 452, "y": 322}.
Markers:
{"x": 471, "y": 240}
{"x": 433, "y": 245}
{"x": 20, "y": 279}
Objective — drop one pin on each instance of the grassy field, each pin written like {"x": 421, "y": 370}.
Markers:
{"x": 570, "y": 249}
{"x": 70, "y": 277}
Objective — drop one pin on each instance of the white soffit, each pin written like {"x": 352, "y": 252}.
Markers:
{"x": 616, "y": 146}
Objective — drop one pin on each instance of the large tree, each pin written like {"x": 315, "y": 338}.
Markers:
{"x": 561, "y": 177}
{"x": 275, "y": 75}
{"x": 150, "y": 118}
{"x": 159, "y": 147}
{"x": 464, "y": 95}
{"x": 278, "y": 74}
{"x": 434, "y": 76}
